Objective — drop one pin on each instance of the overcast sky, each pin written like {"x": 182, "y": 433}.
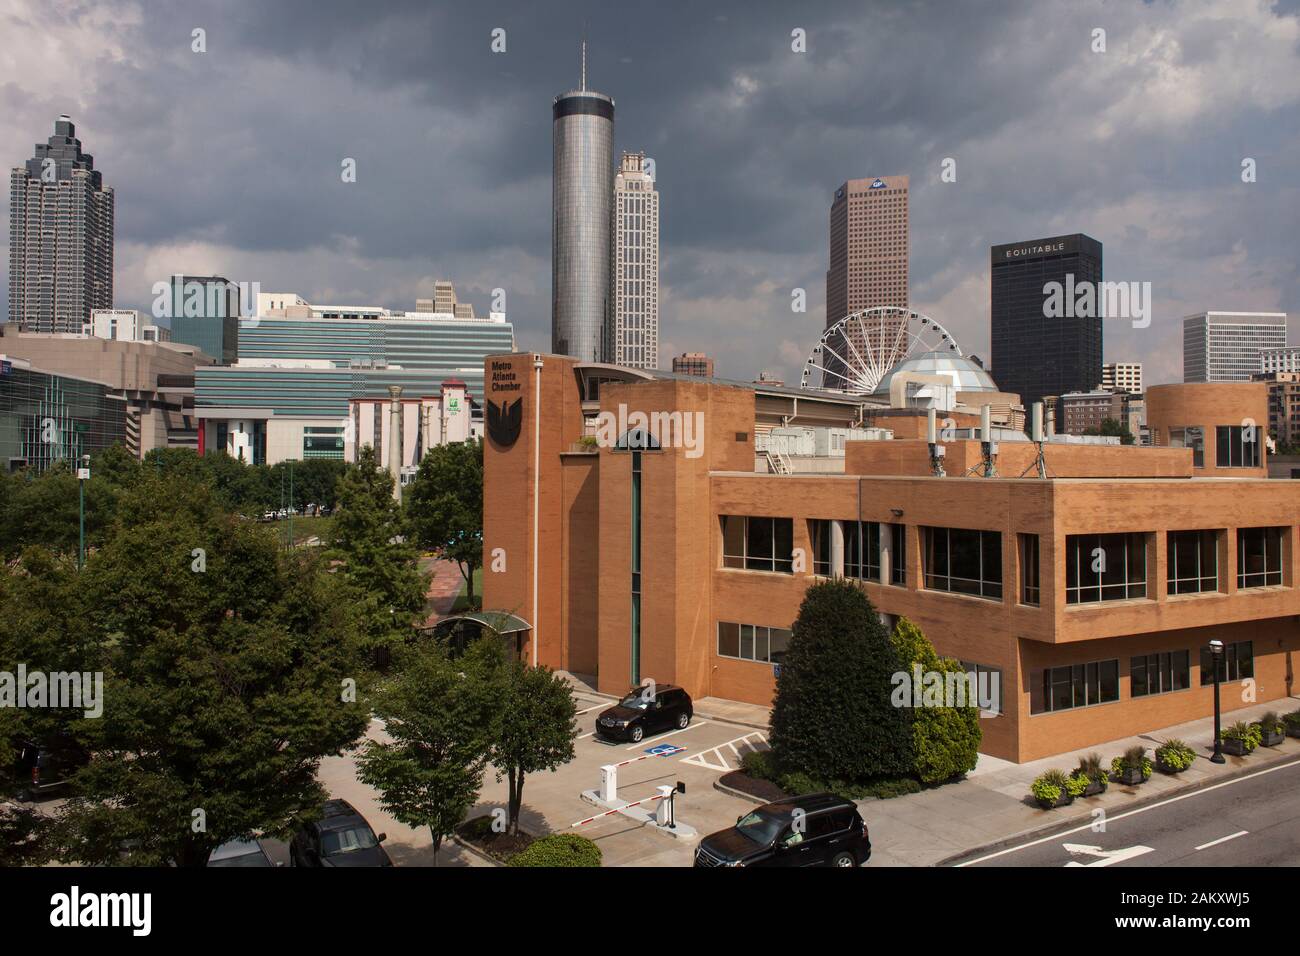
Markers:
{"x": 228, "y": 161}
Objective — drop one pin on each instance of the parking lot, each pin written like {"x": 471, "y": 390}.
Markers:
{"x": 552, "y": 802}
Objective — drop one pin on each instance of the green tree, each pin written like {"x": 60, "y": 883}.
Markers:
{"x": 832, "y": 718}
{"x": 379, "y": 568}
{"x": 1113, "y": 428}
{"x": 539, "y": 729}
{"x": 945, "y": 740}
{"x": 445, "y": 506}
{"x": 225, "y": 670}
{"x": 441, "y": 715}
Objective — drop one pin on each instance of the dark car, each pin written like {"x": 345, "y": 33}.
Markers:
{"x": 45, "y": 768}
{"x": 341, "y": 837}
{"x": 240, "y": 853}
{"x": 818, "y": 829}
{"x": 646, "y": 711}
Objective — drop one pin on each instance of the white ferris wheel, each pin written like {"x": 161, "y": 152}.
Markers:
{"x": 855, "y": 353}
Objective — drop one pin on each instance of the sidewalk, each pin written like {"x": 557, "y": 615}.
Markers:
{"x": 992, "y": 806}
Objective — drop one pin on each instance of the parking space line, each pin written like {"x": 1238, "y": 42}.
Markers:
{"x": 702, "y": 759}
{"x": 590, "y": 709}
{"x": 1239, "y": 833}
{"x": 644, "y": 740}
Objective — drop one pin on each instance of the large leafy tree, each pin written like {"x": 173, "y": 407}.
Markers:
{"x": 832, "y": 718}
{"x": 226, "y": 668}
{"x": 440, "y": 715}
{"x": 945, "y": 740}
{"x": 445, "y": 506}
{"x": 538, "y": 731}
{"x": 379, "y": 567}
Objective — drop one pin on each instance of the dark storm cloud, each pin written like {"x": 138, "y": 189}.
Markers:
{"x": 240, "y": 148}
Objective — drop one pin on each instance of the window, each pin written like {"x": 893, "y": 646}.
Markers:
{"x": 898, "y": 555}
{"x": 1193, "y": 438}
{"x": 1259, "y": 557}
{"x": 1238, "y": 663}
{"x": 1193, "y": 561}
{"x": 861, "y": 548}
{"x": 988, "y": 683}
{"x": 963, "y": 561}
{"x": 1078, "y": 685}
{"x": 758, "y": 544}
{"x": 751, "y": 642}
{"x": 1029, "y": 592}
{"x": 1236, "y": 446}
{"x": 1159, "y": 673}
{"x": 1105, "y": 567}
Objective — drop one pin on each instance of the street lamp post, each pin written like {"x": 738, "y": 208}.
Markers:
{"x": 82, "y": 474}
{"x": 1216, "y": 655}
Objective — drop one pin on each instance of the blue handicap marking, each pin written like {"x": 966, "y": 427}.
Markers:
{"x": 663, "y": 750}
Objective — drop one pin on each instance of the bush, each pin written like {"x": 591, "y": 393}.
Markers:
{"x": 832, "y": 718}
{"x": 1173, "y": 756}
{"x": 1076, "y": 784}
{"x": 1091, "y": 769}
{"x": 797, "y": 783}
{"x": 1049, "y": 788}
{"x": 1248, "y": 734}
{"x": 559, "y": 849}
{"x": 1270, "y": 721}
{"x": 759, "y": 765}
{"x": 1135, "y": 758}
{"x": 888, "y": 789}
{"x": 1291, "y": 720}
{"x": 945, "y": 740}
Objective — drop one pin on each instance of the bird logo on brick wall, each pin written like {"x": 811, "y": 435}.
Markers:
{"x": 504, "y": 421}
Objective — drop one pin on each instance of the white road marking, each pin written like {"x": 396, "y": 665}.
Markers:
{"x": 648, "y": 740}
{"x": 590, "y": 709}
{"x": 1105, "y": 857}
{"x": 1130, "y": 813}
{"x": 585, "y": 736}
{"x": 702, "y": 759}
{"x": 1233, "y": 836}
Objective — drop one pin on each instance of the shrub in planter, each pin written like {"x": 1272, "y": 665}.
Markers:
{"x": 1091, "y": 769}
{"x": 559, "y": 849}
{"x": 1174, "y": 756}
{"x": 759, "y": 765}
{"x": 1133, "y": 768}
{"x": 1052, "y": 789}
{"x": 1240, "y": 739}
{"x": 1292, "y": 723}
{"x": 1271, "y": 729}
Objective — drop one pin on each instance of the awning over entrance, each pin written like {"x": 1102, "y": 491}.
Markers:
{"x": 502, "y": 622}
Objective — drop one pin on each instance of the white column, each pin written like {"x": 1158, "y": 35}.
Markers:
{"x": 837, "y": 549}
{"x": 395, "y": 438}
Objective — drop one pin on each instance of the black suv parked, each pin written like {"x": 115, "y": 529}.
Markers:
{"x": 341, "y": 837}
{"x": 45, "y": 768}
{"x": 645, "y": 711}
{"x": 828, "y": 832}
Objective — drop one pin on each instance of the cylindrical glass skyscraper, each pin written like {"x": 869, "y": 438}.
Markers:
{"x": 581, "y": 192}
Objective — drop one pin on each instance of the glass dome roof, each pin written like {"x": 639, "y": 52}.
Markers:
{"x": 966, "y": 375}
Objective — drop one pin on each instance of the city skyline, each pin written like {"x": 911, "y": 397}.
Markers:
{"x": 751, "y": 138}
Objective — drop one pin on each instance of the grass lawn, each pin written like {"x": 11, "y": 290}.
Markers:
{"x": 305, "y": 527}
{"x": 462, "y": 599}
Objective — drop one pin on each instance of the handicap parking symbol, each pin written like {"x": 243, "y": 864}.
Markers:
{"x": 664, "y": 750}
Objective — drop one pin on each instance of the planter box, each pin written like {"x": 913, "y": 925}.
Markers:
{"x": 1272, "y": 738}
{"x": 1064, "y": 800}
{"x": 1132, "y": 777}
{"x": 1235, "y": 747}
{"x": 1166, "y": 768}
{"x": 1095, "y": 787}
{"x": 1293, "y": 730}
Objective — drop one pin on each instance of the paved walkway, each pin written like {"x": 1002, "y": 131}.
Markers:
{"x": 444, "y": 588}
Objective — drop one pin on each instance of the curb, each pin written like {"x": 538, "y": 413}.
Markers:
{"x": 475, "y": 851}
{"x": 1051, "y": 829}
{"x": 732, "y": 791}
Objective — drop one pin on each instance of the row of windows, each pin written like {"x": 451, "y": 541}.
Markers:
{"x": 1099, "y": 567}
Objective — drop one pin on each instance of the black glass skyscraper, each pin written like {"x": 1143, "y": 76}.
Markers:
{"x": 1033, "y": 353}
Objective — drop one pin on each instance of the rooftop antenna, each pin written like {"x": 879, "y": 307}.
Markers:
{"x": 583, "y": 87}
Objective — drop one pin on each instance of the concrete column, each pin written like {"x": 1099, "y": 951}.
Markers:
{"x": 837, "y": 549}
{"x": 886, "y": 552}
{"x": 395, "y": 438}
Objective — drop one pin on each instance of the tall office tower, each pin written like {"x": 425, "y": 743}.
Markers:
{"x": 1122, "y": 377}
{"x": 693, "y": 363}
{"x": 205, "y": 313}
{"x": 60, "y": 237}
{"x": 1226, "y": 346}
{"x": 868, "y": 257}
{"x": 1032, "y": 354}
{"x": 444, "y": 301}
{"x": 633, "y": 327}
{"x": 582, "y": 188}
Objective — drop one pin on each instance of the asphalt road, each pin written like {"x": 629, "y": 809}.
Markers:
{"x": 1250, "y": 821}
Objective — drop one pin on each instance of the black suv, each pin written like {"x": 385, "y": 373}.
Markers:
{"x": 341, "y": 837}
{"x": 645, "y": 711}
{"x": 818, "y": 829}
{"x": 45, "y": 768}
